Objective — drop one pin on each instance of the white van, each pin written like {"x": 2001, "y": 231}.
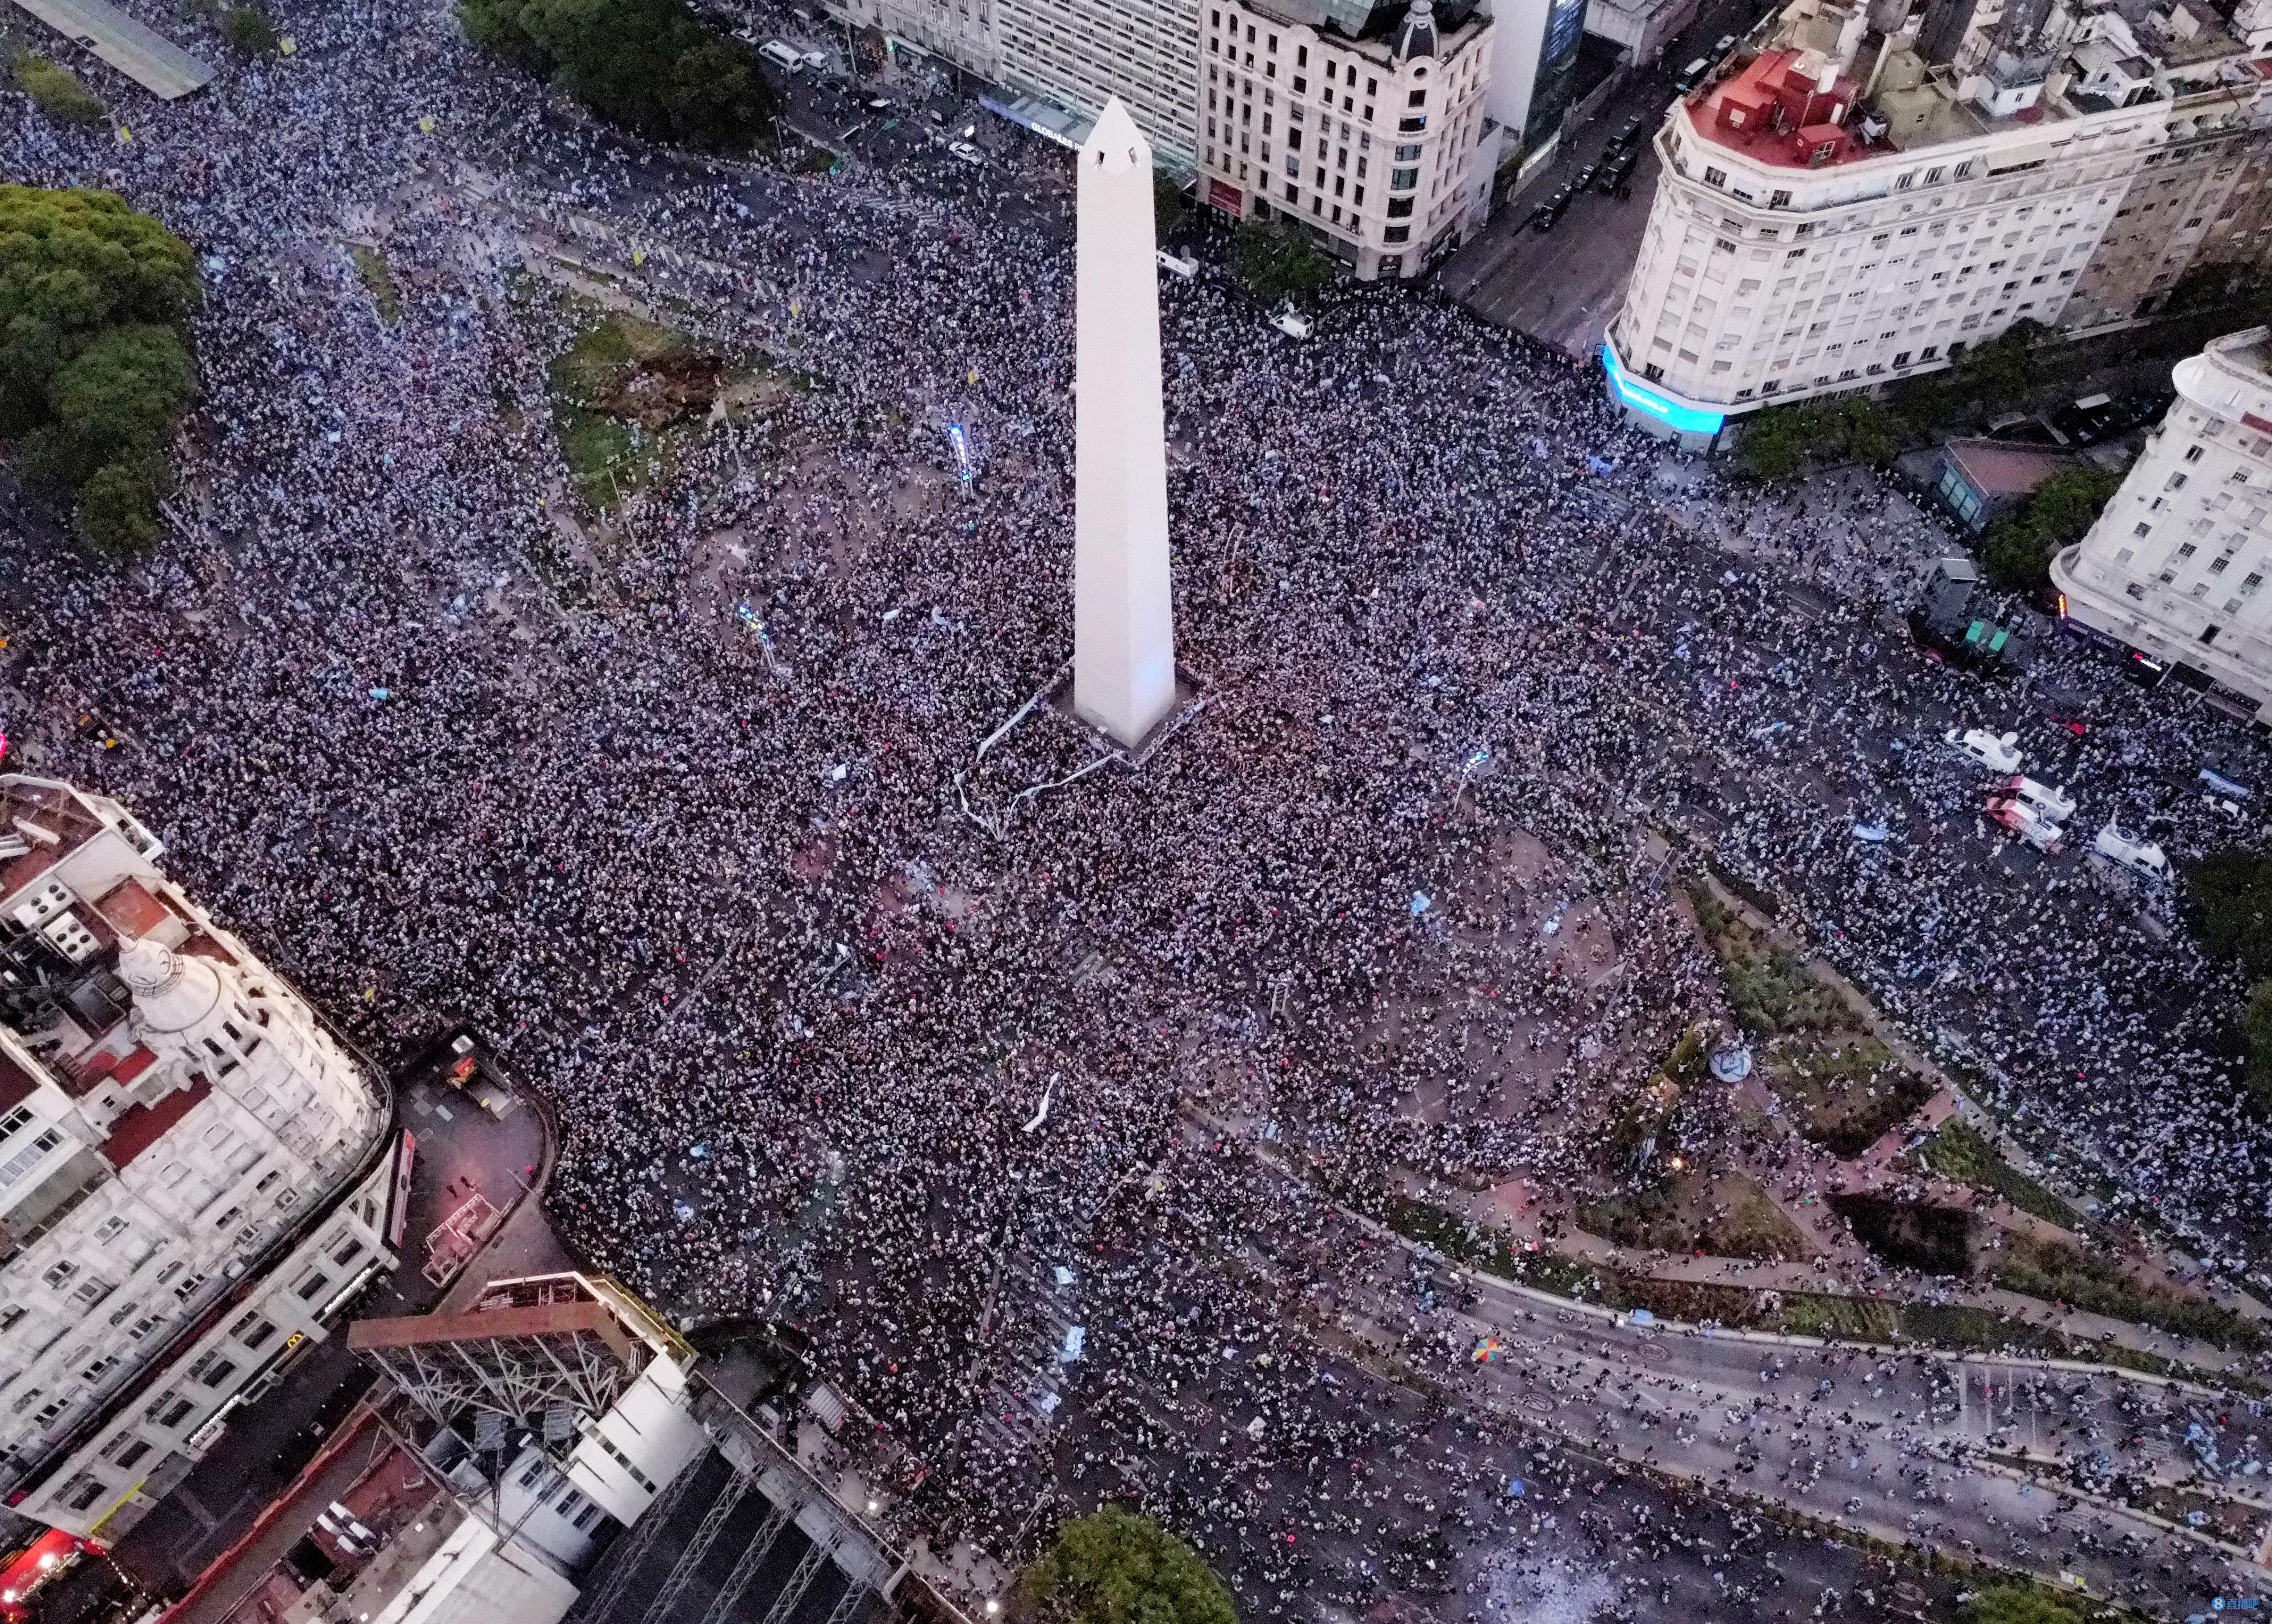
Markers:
{"x": 2138, "y": 856}
{"x": 817, "y": 60}
{"x": 1993, "y": 751}
{"x": 1291, "y": 322}
{"x": 2055, "y": 804}
{"x": 1187, "y": 267}
{"x": 782, "y": 55}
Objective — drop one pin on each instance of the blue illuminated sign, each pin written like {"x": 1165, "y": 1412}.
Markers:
{"x": 1632, "y": 392}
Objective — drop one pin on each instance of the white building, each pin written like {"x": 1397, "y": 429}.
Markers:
{"x": 1377, "y": 141}
{"x": 2174, "y": 569}
{"x": 1875, "y": 190}
{"x": 1075, "y": 54}
{"x": 173, "y": 1124}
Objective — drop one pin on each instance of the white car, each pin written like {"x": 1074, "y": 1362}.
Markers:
{"x": 968, "y": 154}
{"x": 2021, "y": 819}
{"x": 1187, "y": 267}
{"x": 1993, "y": 751}
{"x": 2139, "y": 856}
{"x": 2055, "y": 804}
{"x": 1291, "y": 322}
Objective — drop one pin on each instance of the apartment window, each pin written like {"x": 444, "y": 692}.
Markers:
{"x": 1903, "y": 358}
{"x": 1397, "y": 233}
{"x": 533, "y": 1470}
{"x": 1301, "y": 55}
{"x": 1932, "y": 176}
{"x": 58, "y": 1273}
{"x": 83, "y": 1493}
{"x": 1417, "y": 99}
{"x": 1779, "y": 200}
{"x": 1715, "y": 177}
{"x": 126, "y": 1451}
{"x": 18, "y": 1118}
{"x": 2142, "y": 530}
{"x": 1410, "y": 153}
{"x": 1403, "y": 179}
{"x": 1399, "y": 208}
{"x": 2177, "y": 481}
{"x": 252, "y": 1330}
{"x": 311, "y": 1286}
{"x": 2192, "y": 453}
{"x": 171, "y": 1411}
{"x": 24, "y": 1160}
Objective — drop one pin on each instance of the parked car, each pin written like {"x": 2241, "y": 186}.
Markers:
{"x": 1542, "y": 217}
{"x": 2127, "y": 850}
{"x": 1993, "y": 751}
{"x": 968, "y": 154}
{"x": 1629, "y": 132}
{"x": 782, "y": 55}
{"x": 1585, "y": 178}
{"x": 1617, "y": 173}
{"x": 1721, "y": 46}
{"x": 1692, "y": 76}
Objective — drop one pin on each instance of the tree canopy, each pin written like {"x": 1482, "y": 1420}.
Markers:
{"x": 94, "y": 357}
{"x": 1118, "y": 1567}
{"x": 1778, "y": 443}
{"x": 2230, "y": 894}
{"x": 648, "y": 65}
{"x": 1277, "y": 260}
{"x": 2019, "y": 548}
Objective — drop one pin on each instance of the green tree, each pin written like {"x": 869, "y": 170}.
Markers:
{"x": 2256, "y": 1024}
{"x": 1171, "y": 207}
{"x": 94, "y": 360}
{"x": 1278, "y": 260}
{"x": 648, "y": 65}
{"x": 2019, "y": 548}
{"x": 118, "y": 509}
{"x": 2230, "y": 897}
{"x": 1119, "y": 1567}
{"x": 248, "y": 30}
{"x": 1776, "y": 443}
{"x": 1867, "y": 431}
{"x": 55, "y": 89}
{"x": 2021, "y": 1603}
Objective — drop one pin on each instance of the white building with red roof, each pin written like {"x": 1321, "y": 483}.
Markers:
{"x": 190, "y": 1175}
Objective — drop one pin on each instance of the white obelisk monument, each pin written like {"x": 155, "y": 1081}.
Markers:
{"x": 1123, "y": 641}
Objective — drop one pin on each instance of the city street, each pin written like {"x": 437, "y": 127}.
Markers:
{"x": 1562, "y": 286}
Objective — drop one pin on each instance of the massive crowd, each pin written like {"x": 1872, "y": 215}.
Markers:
{"x": 442, "y": 745}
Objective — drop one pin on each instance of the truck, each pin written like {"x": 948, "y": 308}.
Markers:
{"x": 1955, "y": 624}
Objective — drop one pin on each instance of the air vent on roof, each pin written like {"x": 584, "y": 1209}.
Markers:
{"x": 43, "y": 905}
{"x": 69, "y": 937}
{"x": 13, "y": 846}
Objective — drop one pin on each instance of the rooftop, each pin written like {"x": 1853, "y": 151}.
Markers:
{"x": 1824, "y": 87}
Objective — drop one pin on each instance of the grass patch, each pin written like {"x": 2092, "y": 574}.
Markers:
{"x": 1726, "y": 1215}
{"x": 617, "y": 391}
{"x": 1843, "y": 1088}
{"x": 1960, "y": 1151}
{"x": 379, "y": 279}
{"x": 1909, "y": 1235}
{"x": 2063, "y": 1274}
{"x": 1850, "y": 1319}
{"x": 55, "y": 89}
{"x": 1954, "y": 1325}
{"x": 1464, "y": 1240}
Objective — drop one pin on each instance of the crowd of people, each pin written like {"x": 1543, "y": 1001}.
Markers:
{"x": 843, "y": 1027}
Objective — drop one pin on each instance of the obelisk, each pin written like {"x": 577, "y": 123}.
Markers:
{"x": 1124, "y": 641}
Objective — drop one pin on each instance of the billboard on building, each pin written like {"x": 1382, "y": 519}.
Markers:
{"x": 1558, "y": 60}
